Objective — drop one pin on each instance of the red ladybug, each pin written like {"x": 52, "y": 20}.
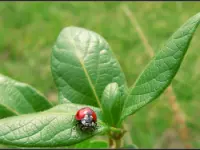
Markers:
{"x": 86, "y": 119}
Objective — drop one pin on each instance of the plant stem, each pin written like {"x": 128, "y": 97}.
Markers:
{"x": 111, "y": 143}
{"x": 117, "y": 143}
{"x": 114, "y": 143}
{"x": 115, "y": 129}
{"x": 115, "y": 136}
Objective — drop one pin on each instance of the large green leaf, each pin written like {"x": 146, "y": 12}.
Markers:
{"x": 19, "y": 98}
{"x": 83, "y": 65}
{"x": 162, "y": 69}
{"x": 112, "y": 104}
{"x": 52, "y": 128}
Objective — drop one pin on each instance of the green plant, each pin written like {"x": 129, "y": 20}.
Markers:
{"x": 86, "y": 73}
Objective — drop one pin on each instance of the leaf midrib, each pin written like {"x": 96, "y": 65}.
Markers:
{"x": 86, "y": 73}
{"x": 10, "y": 109}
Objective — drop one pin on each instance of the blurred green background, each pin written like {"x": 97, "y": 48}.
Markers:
{"x": 28, "y": 31}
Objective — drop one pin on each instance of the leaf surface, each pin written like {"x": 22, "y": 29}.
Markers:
{"x": 51, "y": 128}
{"x": 83, "y": 65}
{"x": 130, "y": 146}
{"x": 112, "y": 104}
{"x": 19, "y": 98}
{"x": 89, "y": 144}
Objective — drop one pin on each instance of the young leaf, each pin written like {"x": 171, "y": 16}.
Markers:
{"x": 111, "y": 104}
{"x": 19, "y": 98}
{"x": 51, "y": 128}
{"x": 83, "y": 65}
{"x": 162, "y": 69}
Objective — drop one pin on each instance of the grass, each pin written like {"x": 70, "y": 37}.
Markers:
{"x": 29, "y": 30}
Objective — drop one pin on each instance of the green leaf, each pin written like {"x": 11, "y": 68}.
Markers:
{"x": 7, "y": 146}
{"x": 83, "y": 144}
{"x": 51, "y": 128}
{"x": 83, "y": 65}
{"x": 131, "y": 146}
{"x": 92, "y": 144}
{"x": 98, "y": 144}
{"x": 112, "y": 104}
{"x": 162, "y": 69}
{"x": 19, "y": 98}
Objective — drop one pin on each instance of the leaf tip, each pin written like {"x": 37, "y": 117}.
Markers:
{"x": 197, "y": 17}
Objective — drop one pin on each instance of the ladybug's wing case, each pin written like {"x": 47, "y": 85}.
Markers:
{"x": 94, "y": 116}
{"x": 83, "y": 111}
{"x": 80, "y": 114}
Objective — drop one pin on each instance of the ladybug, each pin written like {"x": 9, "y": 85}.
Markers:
{"x": 86, "y": 119}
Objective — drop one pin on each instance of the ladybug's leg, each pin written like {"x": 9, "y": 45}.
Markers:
{"x": 79, "y": 127}
{"x": 83, "y": 128}
{"x": 92, "y": 129}
{"x": 75, "y": 122}
{"x": 74, "y": 127}
{"x": 96, "y": 126}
